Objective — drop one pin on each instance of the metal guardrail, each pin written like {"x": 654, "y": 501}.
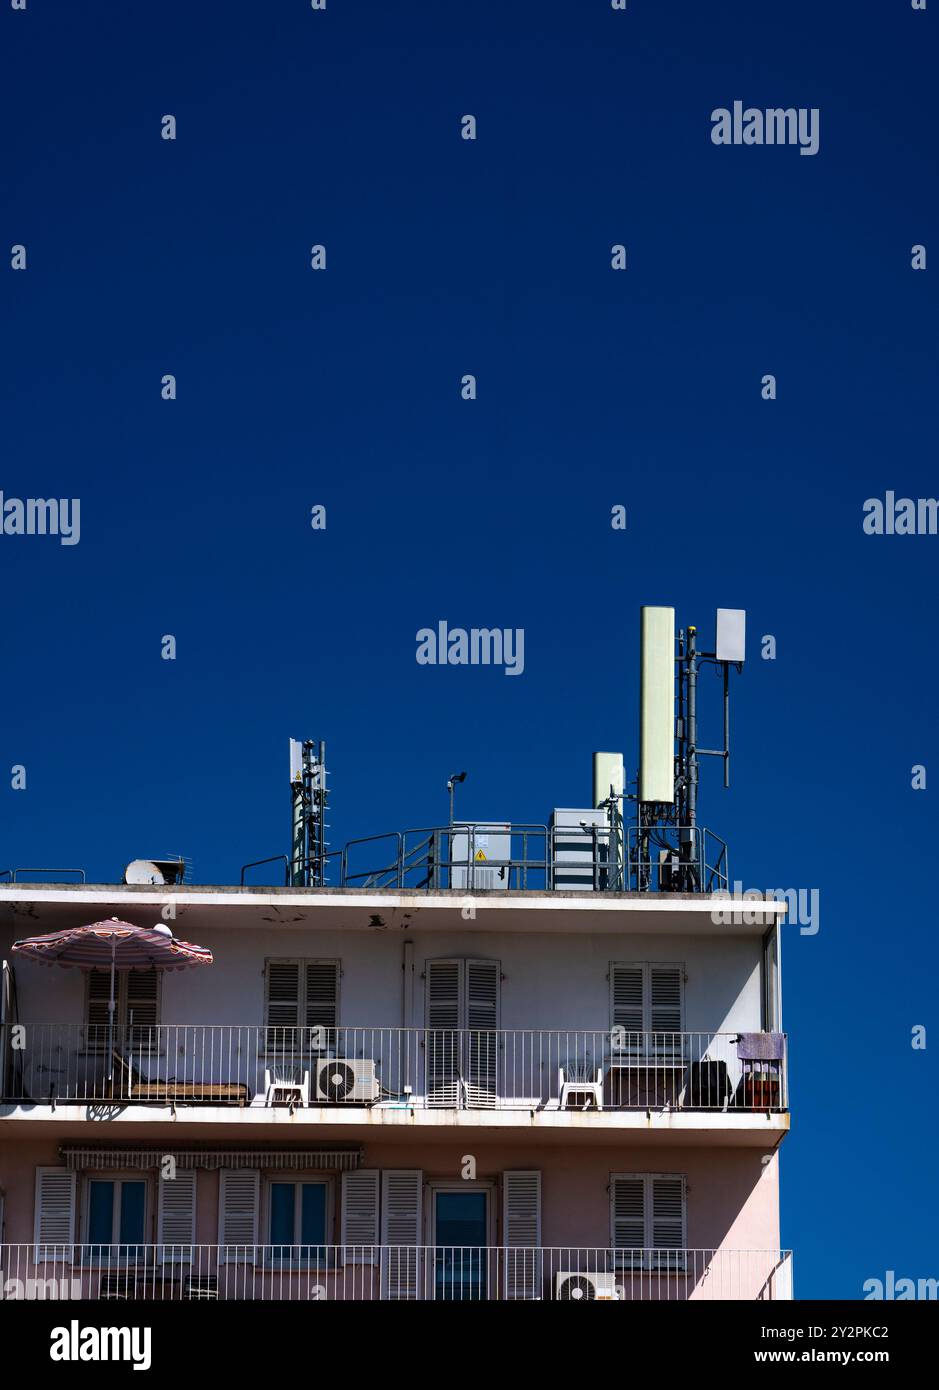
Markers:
{"x": 539, "y": 857}
{"x": 46, "y": 874}
{"x": 402, "y": 1068}
{"x": 390, "y": 1272}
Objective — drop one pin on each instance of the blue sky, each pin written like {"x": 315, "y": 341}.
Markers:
{"x": 595, "y": 388}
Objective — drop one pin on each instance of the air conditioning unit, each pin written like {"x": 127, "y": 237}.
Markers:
{"x": 574, "y": 1285}
{"x": 346, "y": 1079}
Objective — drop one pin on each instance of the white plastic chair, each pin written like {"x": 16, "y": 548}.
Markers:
{"x": 286, "y": 1085}
{"x": 579, "y": 1079}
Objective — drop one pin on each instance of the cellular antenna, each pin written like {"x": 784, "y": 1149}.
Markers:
{"x": 670, "y": 851}
{"x": 308, "y": 813}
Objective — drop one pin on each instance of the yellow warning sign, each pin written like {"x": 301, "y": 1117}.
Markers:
{"x": 480, "y": 856}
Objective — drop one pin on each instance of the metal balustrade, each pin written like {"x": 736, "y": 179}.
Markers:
{"x": 390, "y": 1272}
{"x": 405, "y": 1068}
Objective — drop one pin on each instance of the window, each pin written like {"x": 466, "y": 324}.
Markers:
{"x": 136, "y": 1011}
{"x": 298, "y": 1221}
{"x": 115, "y": 1219}
{"x": 301, "y": 1005}
{"x": 646, "y": 1006}
{"x": 647, "y": 1220}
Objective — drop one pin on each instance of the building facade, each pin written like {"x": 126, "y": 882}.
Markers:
{"x": 382, "y": 1092}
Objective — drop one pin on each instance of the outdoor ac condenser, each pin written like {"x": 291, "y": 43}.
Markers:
{"x": 346, "y": 1079}
{"x": 574, "y": 1285}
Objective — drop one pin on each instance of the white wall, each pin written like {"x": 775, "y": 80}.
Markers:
{"x": 551, "y": 980}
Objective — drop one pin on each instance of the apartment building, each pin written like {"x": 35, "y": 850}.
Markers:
{"x": 400, "y": 1091}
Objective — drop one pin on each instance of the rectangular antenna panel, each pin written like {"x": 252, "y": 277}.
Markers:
{"x": 657, "y": 705}
{"x": 296, "y": 760}
{"x": 731, "y": 644}
{"x": 607, "y": 773}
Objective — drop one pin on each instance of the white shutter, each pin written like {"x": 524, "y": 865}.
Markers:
{"x": 647, "y": 1215}
{"x": 665, "y": 990}
{"x": 521, "y": 1231}
{"x": 176, "y": 1215}
{"x": 443, "y": 1017}
{"x": 321, "y": 995}
{"x": 142, "y": 1006}
{"x": 668, "y": 1220}
{"x": 481, "y": 1050}
{"x": 626, "y": 1001}
{"x": 6, "y": 1036}
{"x": 238, "y": 1202}
{"x": 54, "y": 1228}
{"x": 97, "y": 995}
{"x": 281, "y": 1001}
{"x": 402, "y": 1192}
{"x": 359, "y": 1216}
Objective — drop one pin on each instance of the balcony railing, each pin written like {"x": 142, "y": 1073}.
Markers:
{"x": 398, "y": 1272}
{"x": 403, "y": 1068}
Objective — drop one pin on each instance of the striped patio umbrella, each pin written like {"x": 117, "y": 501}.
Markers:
{"x": 120, "y": 945}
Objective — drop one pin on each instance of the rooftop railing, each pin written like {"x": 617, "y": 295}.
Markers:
{"x": 400, "y": 1068}
{"x": 321, "y": 1273}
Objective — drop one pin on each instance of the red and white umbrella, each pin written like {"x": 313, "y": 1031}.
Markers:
{"x": 120, "y": 945}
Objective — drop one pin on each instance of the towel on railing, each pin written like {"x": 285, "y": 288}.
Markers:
{"x": 760, "y": 1047}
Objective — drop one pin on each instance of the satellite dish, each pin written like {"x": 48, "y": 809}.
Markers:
{"x": 143, "y": 871}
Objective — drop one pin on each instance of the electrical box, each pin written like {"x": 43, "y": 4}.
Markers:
{"x": 580, "y": 848}
{"x": 480, "y": 855}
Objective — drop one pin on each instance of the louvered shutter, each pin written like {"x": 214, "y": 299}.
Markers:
{"x": 402, "y": 1192}
{"x": 359, "y": 1216}
{"x": 238, "y": 1202}
{"x": 626, "y": 1011}
{"x": 483, "y": 978}
{"x": 6, "y": 1036}
{"x": 668, "y": 1221}
{"x": 54, "y": 1228}
{"x": 628, "y": 1217}
{"x": 665, "y": 1011}
{"x": 98, "y": 992}
{"x": 282, "y": 1004}
{"x": 142, "y": 1002}
{"x": 176, "y": 1216}
{"x": 521, "y": 1233}
{"x": 442, "y": 1014}
{"x": 321, "y": 1002}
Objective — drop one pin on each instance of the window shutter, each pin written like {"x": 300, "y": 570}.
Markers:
{"x": 442, "y": 1015}
{"x": 142, "y": 1001}
{"x": 628, "y": 1215}
{"x": 238, "y": 1201}
{"x": 359, "y": 1216}
{"x": 626, "y": 996}
{"x": 665, "y": 988}
{"x": 322, "y": 993}
{"x": 402, "y": 1193}
{"x": 480, "y": 1063}
{"x": 668, "y": 1220}
{"x": 97, "y": 996}
{"x": 521, "y": 1232}
{"x": 176, "y": 1216}
{"x": 282, "y": 1002}
{"x": 54, "y": 1214}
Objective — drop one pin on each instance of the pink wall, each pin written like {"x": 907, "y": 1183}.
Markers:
{"x": 732, "y": 1195}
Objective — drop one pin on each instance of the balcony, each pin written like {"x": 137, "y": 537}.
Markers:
{"x": 388, "y": 1070}
{"x": 391, "y": 1272}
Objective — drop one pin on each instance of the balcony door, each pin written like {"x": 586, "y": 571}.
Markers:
{"x": 461, "y": 1224}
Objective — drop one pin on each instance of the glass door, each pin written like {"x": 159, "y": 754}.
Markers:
{"x": 461, "y": 1236}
